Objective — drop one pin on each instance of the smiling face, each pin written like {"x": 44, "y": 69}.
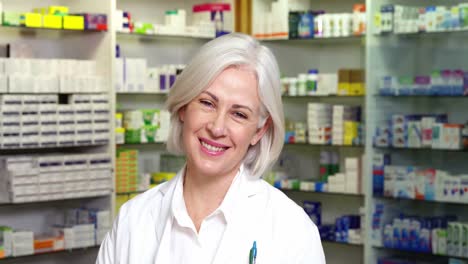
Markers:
{"x": 221, "y": 123}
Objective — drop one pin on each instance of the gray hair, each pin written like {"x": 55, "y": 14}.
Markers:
{"x": 233, "y": 50}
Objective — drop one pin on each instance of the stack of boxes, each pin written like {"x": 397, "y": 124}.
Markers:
{"x": 127, "y": 171}
{"x": 15, "y": 243}
{"x": 345, "y": 129}
{"x": 131, "y": 75}
{"x": 353, "y": 175}
{"x": 44, "y": 244}
{"x": 123, "y": 22}
{"x": 83, "y": 236}
{"x": 411, "y": 182}
{"x": 54, "y": 177}
{"x": 39, "y": 121}
{"x": 6, "y": 241}
{"x": 146, "y": 125}
{"x": 51, "y": 17}
{"x": 208, "y": 20}
{"x": 420, "y": 131}
{"x": 102, "y": 223}
{"x": 134, "y": 75}
{"x": 345, "y": 83}
{"x": 329, "y": 164}
{"x": 119, "y": 130}
{"x": 331, "y": 180}
{"x": 319, "y": 121}
{"x": 207, "y": 15}
{"x": 55, "y": 17}
{"x": 440, "y": 235}
{"x": 314, "y": 211}
{"x": 23, "y": 243}
{"x": 175, "y": 21}
{"x": 18, "y": 75}
{"x": 446, "y": 82}
{"x": 82, "y": 228}
{"x": 351, "y": 82}
{"x": 350, "y": 180}
{"x": 346, "y": 229}
{"x": 379, "y": 161}
{"x": 401, "y": 19}
{"x": 353, "y": 133}
{"x": 337, "y": 125}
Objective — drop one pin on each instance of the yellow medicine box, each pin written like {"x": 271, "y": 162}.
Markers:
{"x": 58, "y": 10}
{"x": 351, "y": 126}
{"x": 52, "y": 21}
{"x": 40, "y": 10}
{"x": 356, "y": 89}
{"x": 343, "y": 88}
{"x": 73, "y": 22}
{"x": 348, "y": 140}
{"x": 31, "y": 20}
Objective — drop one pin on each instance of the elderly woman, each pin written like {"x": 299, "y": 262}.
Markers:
{"x": 227, "y": 119}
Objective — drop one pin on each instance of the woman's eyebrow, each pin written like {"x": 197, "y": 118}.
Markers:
{"x": 235, "y": 106}
{"x": 212, "y": 96}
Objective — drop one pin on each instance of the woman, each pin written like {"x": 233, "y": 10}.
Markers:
{"x": 227, "y": 119}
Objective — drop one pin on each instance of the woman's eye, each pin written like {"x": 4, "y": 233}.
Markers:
{"x": 240, "y": 115}
{"x": 206, "y": 103}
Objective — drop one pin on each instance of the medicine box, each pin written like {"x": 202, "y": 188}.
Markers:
{"x": 73, "y": 22}
{"x": 31, "y": 20}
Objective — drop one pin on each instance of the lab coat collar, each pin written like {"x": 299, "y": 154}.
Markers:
{"x": 249, "y": 188}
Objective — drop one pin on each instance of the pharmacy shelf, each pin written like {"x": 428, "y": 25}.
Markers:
{"x": 52, "y": 202}
{"x": 58, "y": 93}
{"x": 322, "y": 145}
{"x": 441, "y": 34}
{"x": 321, "y": 41}
{"x": 142, "y": 144}
{"x": 331, "y": 242}
{"x": 158, "y": 36}
{"x": 422, "y": 96}
{"x": 141, "y": 93}
{"x": 357, "y": 195}
{"x": 286, "y": 97}
{"x": 419, "y": 255}
{"x": 130, "y": 193}
{"x": 398, "y": 199}
{"x": 324, "y": 96}
{"x": 422, "y": 149}
{"x": 41, "y": 29}
{"x": 65, "y": 251}
{"x": 48, "y": 149}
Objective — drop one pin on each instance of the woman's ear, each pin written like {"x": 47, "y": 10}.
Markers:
{"x": 261, "y": 131}
{"x": 181, "y": 113}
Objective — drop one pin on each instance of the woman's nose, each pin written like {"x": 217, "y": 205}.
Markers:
{"x": 217, "y": 126}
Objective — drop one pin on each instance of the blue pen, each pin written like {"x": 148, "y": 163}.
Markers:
{"x": 253, "y": 253}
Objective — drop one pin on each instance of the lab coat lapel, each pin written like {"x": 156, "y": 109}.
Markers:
{"x": 243, "y": 230}
{"x": 164, "y": 227}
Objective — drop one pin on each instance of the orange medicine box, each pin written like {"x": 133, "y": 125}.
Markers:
{"x": 44, "y": 245}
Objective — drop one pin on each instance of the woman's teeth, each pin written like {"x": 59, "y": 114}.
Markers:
{"x": 211, "y": 148}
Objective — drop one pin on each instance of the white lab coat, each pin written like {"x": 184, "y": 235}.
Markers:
{"x": 283, "y": 232}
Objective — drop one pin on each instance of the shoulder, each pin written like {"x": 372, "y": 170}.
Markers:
{"x": 293, "y": 227}
{"x": 143, "y": 204}
{"x": 286, "y": 210}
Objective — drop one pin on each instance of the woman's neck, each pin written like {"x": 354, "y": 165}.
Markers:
{"x": 203, "y": 194}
